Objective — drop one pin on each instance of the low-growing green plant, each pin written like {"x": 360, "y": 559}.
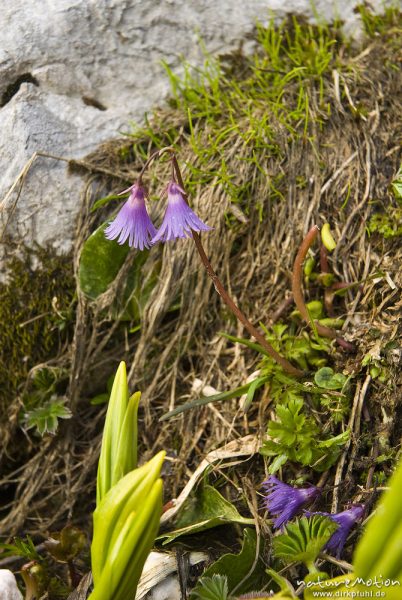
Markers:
{"x": 129, "y": 500}
{"x": 388, "y": 224}
{"x": 21, "y": 547}
{"x": 296, "y": 433}
{"x": 45, "y": 418}
{"x": 297, "y": 437}
{"x": 212, "y": 588}
{"x": 39, "y": 319}
{"x": 303, "y": 540}
{"x": 43, "y": 406}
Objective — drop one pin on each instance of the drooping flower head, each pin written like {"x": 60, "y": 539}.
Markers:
{"x": 179, "y": 219}
{"x": 132, "y": 222}
{"x": 345, "y": 521}
{"x": 284, "y": 501}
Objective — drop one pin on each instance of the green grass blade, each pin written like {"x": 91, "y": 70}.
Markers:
{"x": 206, "y": 400}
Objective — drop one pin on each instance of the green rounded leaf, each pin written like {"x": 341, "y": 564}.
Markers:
{"x": 327, "y": 379}
{"x": 100, "y": 262}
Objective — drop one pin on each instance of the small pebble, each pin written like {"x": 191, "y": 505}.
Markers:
{"x": 8, "y": 586}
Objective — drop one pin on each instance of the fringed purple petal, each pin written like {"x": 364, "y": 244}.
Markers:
{"x": 179, "y": 220}
{"x": 345, "y": 521}
{"x": 132, "y": 222}
{"x": 283, "y": 501}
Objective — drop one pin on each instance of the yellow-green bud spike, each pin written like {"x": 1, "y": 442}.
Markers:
{"x": 127, "y": 496}
{"x": 129, "y": 554}
{"x": 327, "y": 239}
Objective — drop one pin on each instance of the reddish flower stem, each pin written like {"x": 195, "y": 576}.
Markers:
{"x": 152, "y": 157}
{"x": 324, "y": 259}
{"x": 298, "y": 293}
{"x": 341, "y": 285}
{"x": 285, "y": 364}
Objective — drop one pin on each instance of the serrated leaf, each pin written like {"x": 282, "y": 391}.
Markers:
{"x": 277, "y": 431}
{"x": 305, "y": 454}
{"x": 303, "y": 540}
{"x": 239, "y": 567}
{"x": 46, "y": 417}
{"x": 211, "y": 588}
{"x": 287, "y": 414}
{"x": 207, "y": 509}
{"x": 270, "y": 448}
{"x": 338, "y": 440}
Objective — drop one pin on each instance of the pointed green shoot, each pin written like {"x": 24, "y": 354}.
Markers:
{"x": 125, "y": 562}
{"x": 106, "y": 516}
{"x": 111, "y": 434}
{"x": 126, "y": 497}
{"x": 126, "y": 455}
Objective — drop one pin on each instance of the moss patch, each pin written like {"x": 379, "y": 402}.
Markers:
{"x": 36, "y": 311}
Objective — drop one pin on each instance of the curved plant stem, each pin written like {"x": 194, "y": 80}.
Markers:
{"x": 298, "y": 293}
{"x": 152, "y": 157}
{"x": 285, "y": 364}
{"x": 324, "y": 259}
{"x": 239, "y": 315}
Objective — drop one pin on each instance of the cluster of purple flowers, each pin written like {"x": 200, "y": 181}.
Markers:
{"x": 133, "y": 223}
{"x": 284, "y": 502}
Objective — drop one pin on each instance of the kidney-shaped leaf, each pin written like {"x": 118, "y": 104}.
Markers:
{"x": 100, "y": 262}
